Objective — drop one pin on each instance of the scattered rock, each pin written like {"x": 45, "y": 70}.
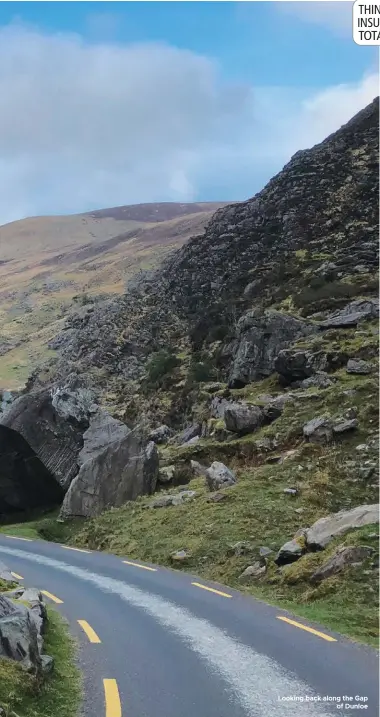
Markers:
{"x": 291, "y": 491}
{"x": 192, "y": 431}
{"x": 161, "y": 434}
{"x": 164, "y": 501}
{"x": 362, "y": 447}
{"x": 273, "y": 409}
{"x": 351, "y": 314}
{"x": 219, "y": 476}
{"x": 180, "y": 556}
{"x": 318, "y": 430}
{"x": 320, "y": 380}
{"x": 240, "y": 548}
{"x": 217, "y": 497}
{"x": 325, "y": 529}
{"x": 256, "y": 570}
{"x": 264, "y": 551}
{"x": 341, "y": 559}
{"x": 242, "y": 418}
{"x": 345, "y": 425}
{"x": 299, "y": 510}
{"x": 358, "y": 366}
{"x": 289, "y": 552}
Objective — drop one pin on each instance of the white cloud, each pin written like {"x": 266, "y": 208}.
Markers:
{"x": 88, "y": 126}
{"x": 336, "y": 16}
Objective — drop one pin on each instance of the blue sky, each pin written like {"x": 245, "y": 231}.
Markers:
{"x": 192, "y": 100}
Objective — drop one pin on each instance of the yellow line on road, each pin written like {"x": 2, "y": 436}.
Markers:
{"x": 308, "y": 629}
{"x": 113, "y": 704}
{"x": 17, "y": 537}
{"x": 137, "y": 565}
{"x": 79, "y": 550}
{"x": 52, "y": 597}
{"x": 212, "y": 590}
{"x": 17, "y": 576}
{"x": 91, "y": 634}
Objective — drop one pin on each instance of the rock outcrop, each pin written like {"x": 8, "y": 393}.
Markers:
{"x": 23, "y": 618}
{"x": 52, "y": 423}
{"x": 121, "y": 468}
{"x": 260, "y": 338}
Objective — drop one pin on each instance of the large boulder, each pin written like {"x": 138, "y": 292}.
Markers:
{"x": 352, "y": 314}
{"x": 260, "y": 337}
{"x": 52, "y": 423}
{"x": 121, "y": 470}
{"x": 219, "y": 476}
{"x": 25, "y": 482}
{"x": 243, "y": 418}
{"x": 325, "y": 529}
{"x": 297, "y": 364}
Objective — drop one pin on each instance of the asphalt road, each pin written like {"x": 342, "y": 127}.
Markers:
{"x": 161, "y": 643}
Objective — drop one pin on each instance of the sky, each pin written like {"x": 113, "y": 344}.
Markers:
{"x": 112, "y": 103}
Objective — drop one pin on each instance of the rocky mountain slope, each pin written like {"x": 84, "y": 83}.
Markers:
{"x": 247, "y": 367}
{"x": 46, "y": 261}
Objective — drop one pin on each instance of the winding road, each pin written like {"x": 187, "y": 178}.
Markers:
{"x": 160, "y": 643}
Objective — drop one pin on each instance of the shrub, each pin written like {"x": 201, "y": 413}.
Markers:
{"x": 161, "y": 364}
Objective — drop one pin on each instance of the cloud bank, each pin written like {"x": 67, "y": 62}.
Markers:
{"x": 85, "y": 126}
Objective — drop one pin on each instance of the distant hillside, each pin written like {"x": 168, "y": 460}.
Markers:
{"x": 46, "y": 261}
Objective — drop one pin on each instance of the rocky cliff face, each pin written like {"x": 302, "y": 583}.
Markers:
{"x": 305, "y": 244}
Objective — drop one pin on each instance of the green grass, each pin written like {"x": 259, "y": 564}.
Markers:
{"x": 60, "y": 694}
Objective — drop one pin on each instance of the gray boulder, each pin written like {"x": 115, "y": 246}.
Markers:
{"x": 161, "y": 434}
{"x": 295, "y": 364}
{"x": 163, "y": 501}
{"x": 345, "y": 425}
{"x": 357, "y": 366}
{"x": 193, "y": 431}
{"x": 218, "y": 406}
{"x": 260, "y": 337}
{"x": 325, "y": 529}
{"x": 219, "y": 476}
{"x": 256, "y": 570}
{"x": 319, "y": 380}
{"x": 123, "y": 470}
{"x": 318, "y": 430}
{"x": 289, "y": 552}
{"x": 243, "y": 418}
{"x": 21, "y": 630}
{"x": 340, "y": 560}
{"x": 350, "y": 315}
{"x": 274, "y": 408}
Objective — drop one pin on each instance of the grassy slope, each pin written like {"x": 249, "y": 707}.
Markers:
{"x": 35, "y": 295}
{"x": 60, "y": 694}
{"x": 257, "y": 511}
